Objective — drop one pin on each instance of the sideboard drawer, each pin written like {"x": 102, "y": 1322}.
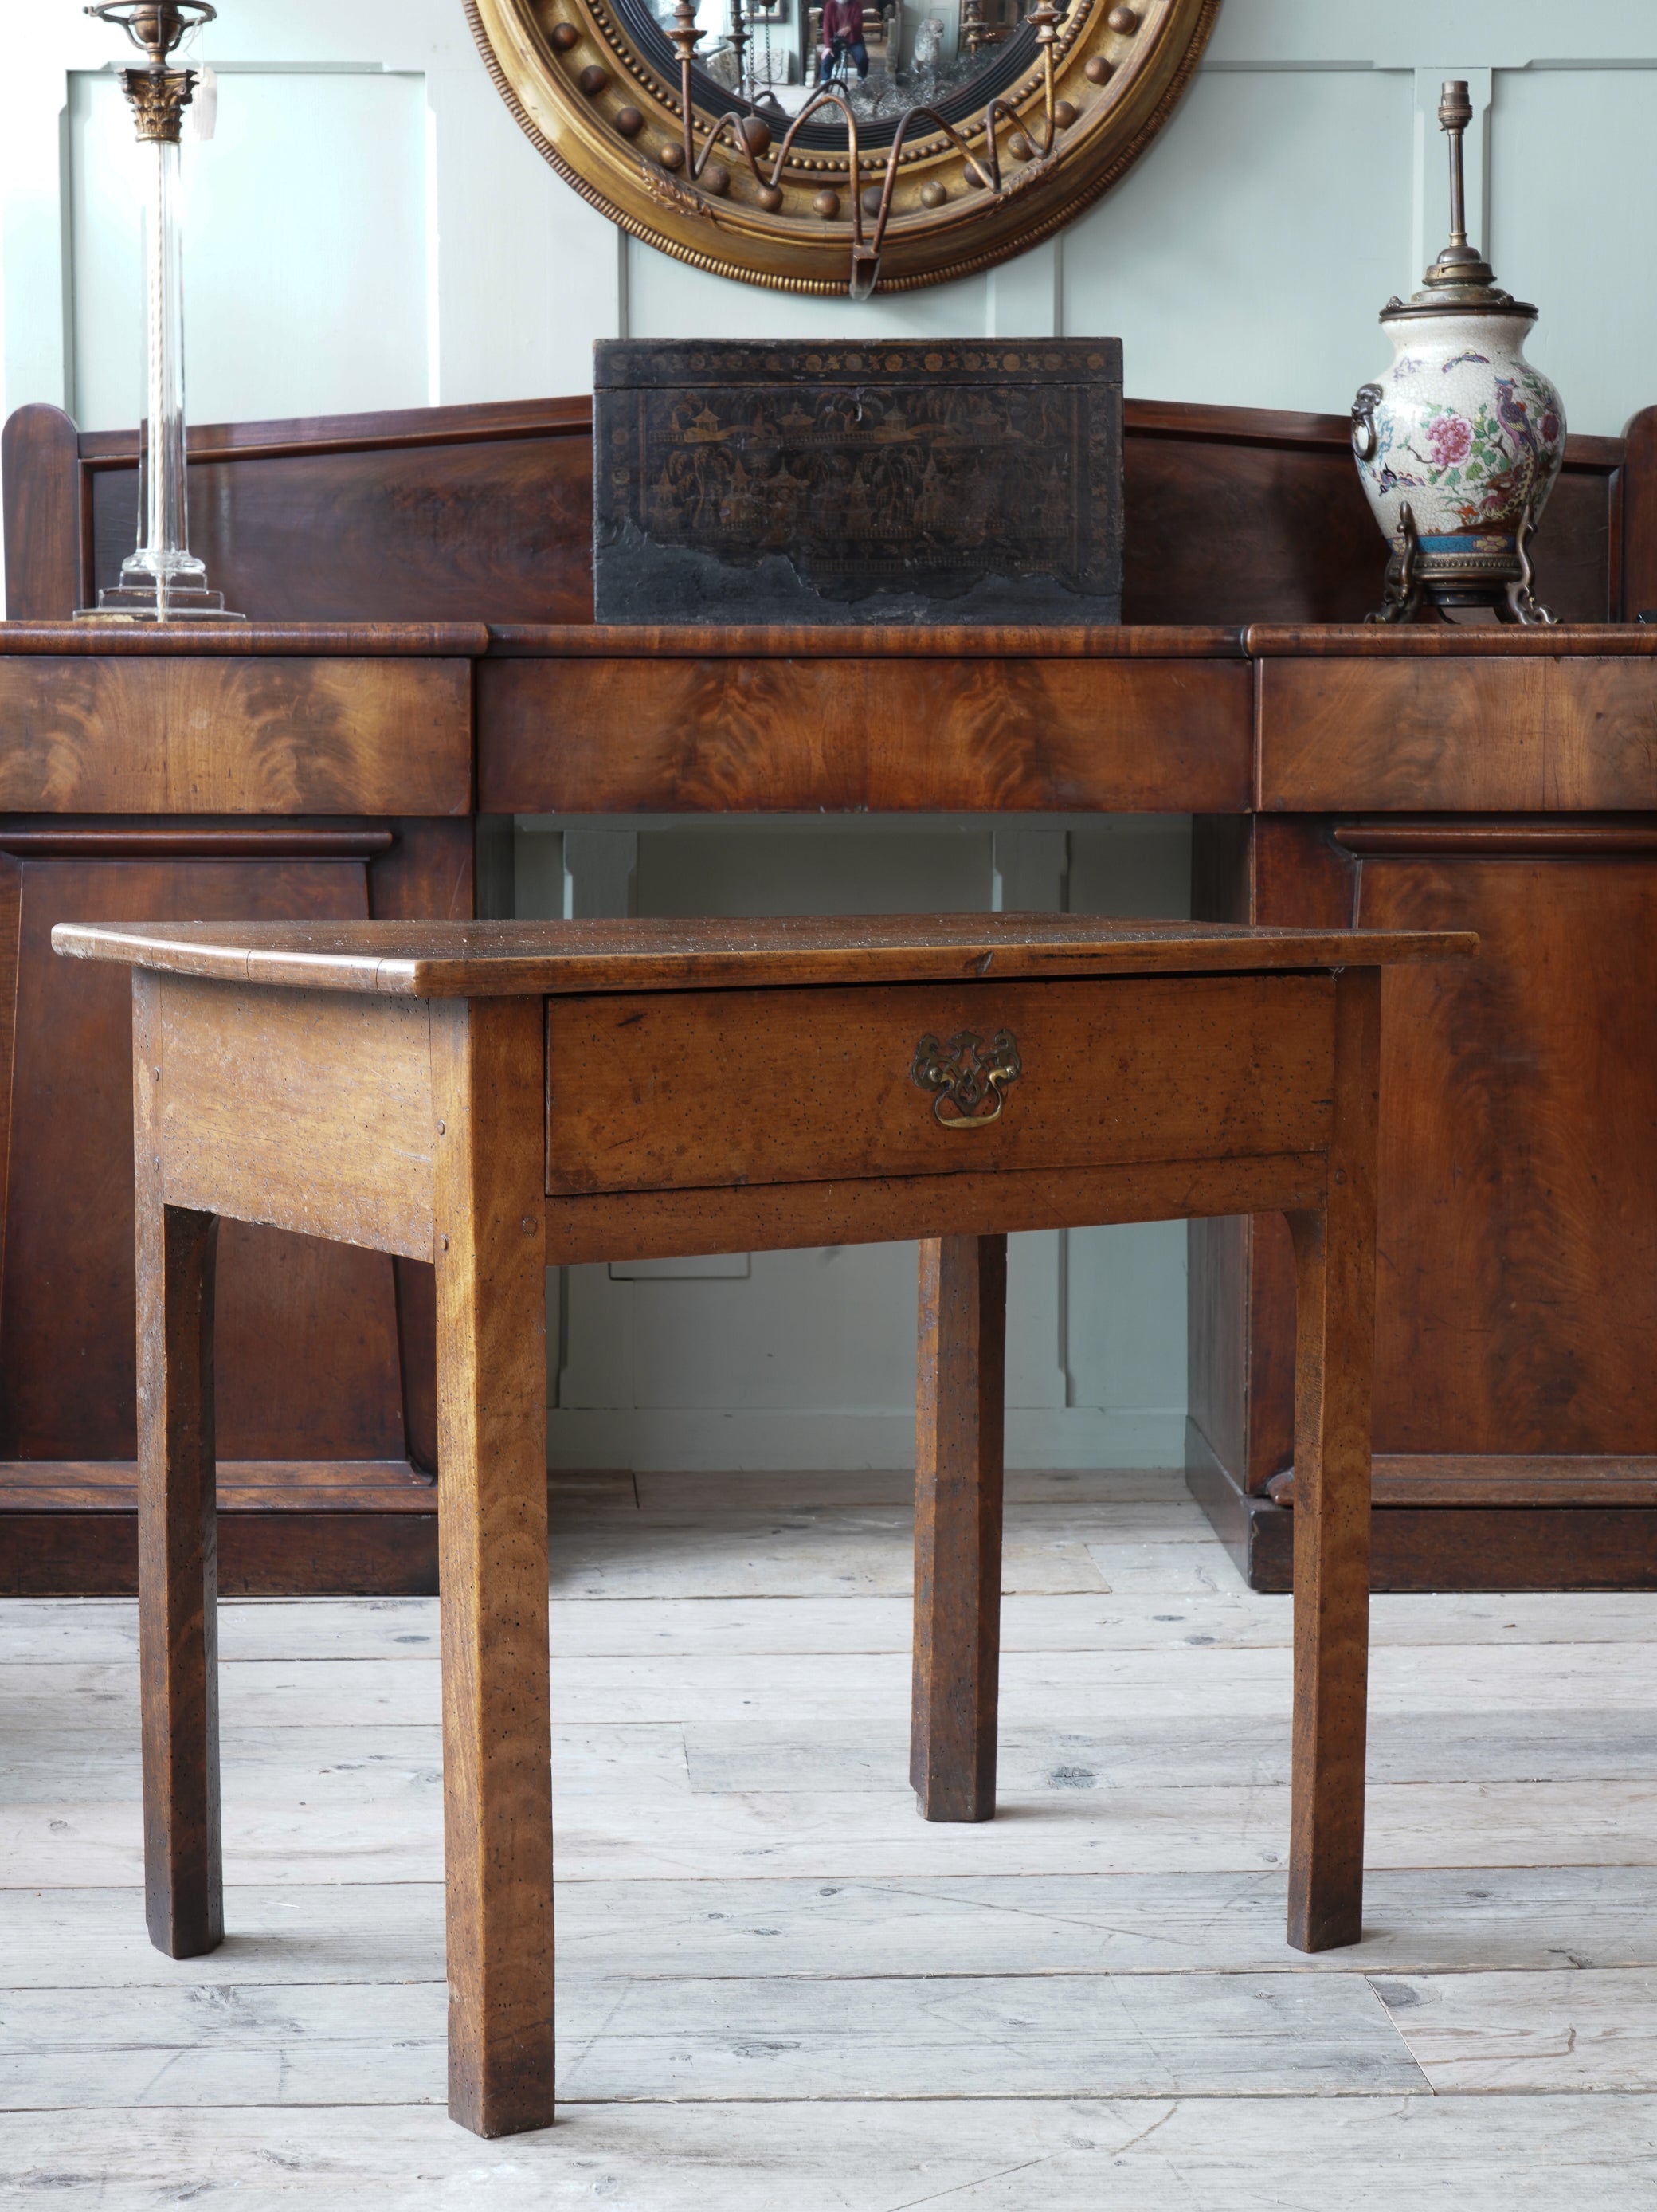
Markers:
{"x": 703, "y": 1088}
{"x": 259, "y": 733}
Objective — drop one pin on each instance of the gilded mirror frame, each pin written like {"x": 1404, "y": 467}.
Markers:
{"x": 1101, "y": 80}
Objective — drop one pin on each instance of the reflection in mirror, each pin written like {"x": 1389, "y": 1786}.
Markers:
{"x": 950, "y": 134}
{"x": 885, "y": 57}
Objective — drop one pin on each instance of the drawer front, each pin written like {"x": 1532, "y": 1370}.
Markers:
{"x": 1503, "y": 735}
{"x": 764, "y": 735}
{"x": 707, "y": 1089}
{"x": 254, "y": 733}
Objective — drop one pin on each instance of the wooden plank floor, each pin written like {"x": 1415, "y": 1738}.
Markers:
{"x": 781, "y": 1991}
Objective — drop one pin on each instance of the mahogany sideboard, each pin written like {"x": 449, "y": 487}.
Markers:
{"x": 325, "y": 772}
{"x": 1499, "y": 780}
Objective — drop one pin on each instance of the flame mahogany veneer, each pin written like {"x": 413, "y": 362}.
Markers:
{"x": 1502, "y": 780}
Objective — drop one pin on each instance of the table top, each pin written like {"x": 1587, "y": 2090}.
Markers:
{"x": 625, "y": 641}
{"x": 509, "y": 959}
{"x": 1079, "y": 641}
{"x": 119, "y": 639}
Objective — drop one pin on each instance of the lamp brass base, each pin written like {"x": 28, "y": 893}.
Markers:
{"x": 1425, "y": 584}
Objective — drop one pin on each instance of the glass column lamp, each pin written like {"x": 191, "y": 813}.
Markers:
{"x": 161, "y": 581}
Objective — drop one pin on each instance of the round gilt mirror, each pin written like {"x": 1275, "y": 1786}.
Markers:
{"x": 840, "y": 145}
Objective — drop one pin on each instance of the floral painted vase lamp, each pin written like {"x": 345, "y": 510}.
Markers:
{"x": 1459, "y": 442}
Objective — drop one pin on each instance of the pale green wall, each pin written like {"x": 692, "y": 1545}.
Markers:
{"x": 370, "y": 230}
{"x": 362, "y": 245}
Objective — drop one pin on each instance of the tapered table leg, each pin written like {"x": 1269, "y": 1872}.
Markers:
{"x": 1335, "y": 1292}
{"x": 490, "y": 1213}
{"x": 958, "y": 1479}
{"x": 177, "y": 1544}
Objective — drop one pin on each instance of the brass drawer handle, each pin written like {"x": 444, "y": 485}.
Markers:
{"x": 963, "y": 1075}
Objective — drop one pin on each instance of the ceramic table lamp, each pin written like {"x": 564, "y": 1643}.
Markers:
{"x": 1460, "y": 441}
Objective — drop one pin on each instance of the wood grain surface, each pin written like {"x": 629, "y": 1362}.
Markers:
{"x": 960, "y": 1418}
{"x": 880, "y": 1209}
{"x": 689, "y": 1089}
{"x": 700, "y": 642}
{"x": 499, "y": 959}
{"x": 1606, "y": 837}
{"x": 1514, "y": 1211}
{"x": 285, "y": 640}
{"x": 1552, "y": 1545}
{"x": 34, "y": 840}
{"x": 1255, "y": 515}
{"x": 178, "y": 1584}
{"x": 1235, "y": 514}
{"x": 1519, "y": 1182}
{"x": 1509, "y": 733}
{"x": 384, "y": 430}
{"x": 479, "y": 512}
{"x": 255, "y": 1094}
{"x": 196, "y": 734}
{"x": 39, "y": 475}
{"x": 340, "y": 1528}
{"x": 1639, "y": 517}
{"x": 307, "y": 1332}
{"x": 766, "y": 736}
{"x": 1500, "y": 1478}
{"x": 1562, "y": 641}
{"x": 489, "y": 1079}
{"x": 304, "y": 1110}
{"x": 1335, "y": 1264}
{"x": 289, "y": 1307}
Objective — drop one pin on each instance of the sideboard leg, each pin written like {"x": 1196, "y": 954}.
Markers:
{"x": 489, "y": 1204}
{"x": 1334, "y": 1358}
{"x": 958, "y": 1473}
{"x": 178, "y": 1581}
{"x": 178, "y": 1538}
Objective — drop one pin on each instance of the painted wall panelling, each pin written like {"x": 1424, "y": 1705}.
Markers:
{"x": 516, "y": 276}
{"x": 1244, "y": 259}
{"x": 273, "y": 266}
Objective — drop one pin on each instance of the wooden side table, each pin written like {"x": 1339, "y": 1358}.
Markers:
{"x": 500, "y": 1098}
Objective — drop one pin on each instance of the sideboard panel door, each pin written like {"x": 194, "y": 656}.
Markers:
{"x": 1518, "y": 1225}
{"x": 308, "y": 1366}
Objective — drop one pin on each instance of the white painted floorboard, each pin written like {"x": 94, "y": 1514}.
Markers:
{"x": 781, "y": 1991}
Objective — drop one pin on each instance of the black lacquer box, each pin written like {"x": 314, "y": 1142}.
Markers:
{"x": 912, "y": 481}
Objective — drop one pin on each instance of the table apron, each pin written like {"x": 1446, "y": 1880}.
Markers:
{"x": 313, "y": 1111}
{"x": 309, "y": 1110}
{"x": 887, "y": 1209}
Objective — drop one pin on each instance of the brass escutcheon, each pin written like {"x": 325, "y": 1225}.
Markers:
{"x": 963, "y": 1074}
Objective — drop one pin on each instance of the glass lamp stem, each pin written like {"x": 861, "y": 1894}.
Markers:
{"x": 164, "y": 526}
{"x": 161, "y": 580}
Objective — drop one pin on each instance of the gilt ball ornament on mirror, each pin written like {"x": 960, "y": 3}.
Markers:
{"x": 840, "y": 146}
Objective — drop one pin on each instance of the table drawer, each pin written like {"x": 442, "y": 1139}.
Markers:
{"x": 699, "y": 1089}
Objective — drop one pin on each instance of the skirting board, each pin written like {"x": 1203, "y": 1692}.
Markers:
{"x": 1560, "y": 1546}
{"x": 658, "y": 1440}
{"x": 316, "y": 1528}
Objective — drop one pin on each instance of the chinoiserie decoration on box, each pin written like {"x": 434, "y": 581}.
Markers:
{"x": 910, "y": 481}
{"x": 162, "y": 580}
{"x": 1460, "y": 441}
